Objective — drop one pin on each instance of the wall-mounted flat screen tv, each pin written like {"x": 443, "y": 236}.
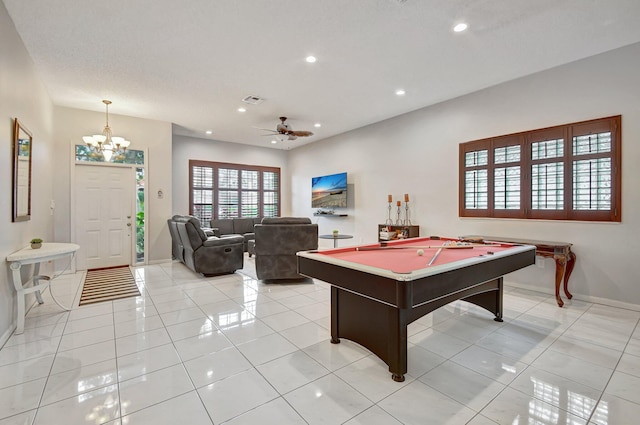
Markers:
{"x": 329, "y": 191}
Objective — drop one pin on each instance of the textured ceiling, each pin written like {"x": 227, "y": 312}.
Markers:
{"x": 191, "y": 62}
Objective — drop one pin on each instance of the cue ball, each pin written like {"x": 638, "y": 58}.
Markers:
{"x": 420, "y": 252}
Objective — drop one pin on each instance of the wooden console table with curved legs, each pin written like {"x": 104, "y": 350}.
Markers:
{"x": 560, "y": 251}
{"x": 49, "y": 251}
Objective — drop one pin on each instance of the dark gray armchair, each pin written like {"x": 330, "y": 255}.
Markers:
{"x": 177, "y": 249}
{"x": 208, "y": 255}
{"x": 277, "y": 240}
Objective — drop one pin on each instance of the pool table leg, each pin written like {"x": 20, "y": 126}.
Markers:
{"x": 379, "y": 327}
{"x": 397, "y": 377}
{"x": 335, "y": 338}
{"x": 490, "y": 299}
{"x": 498, "y": 295}
{"x": 397, "y": 340}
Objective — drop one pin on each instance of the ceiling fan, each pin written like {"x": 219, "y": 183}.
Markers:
{"x": 284, "y": 129}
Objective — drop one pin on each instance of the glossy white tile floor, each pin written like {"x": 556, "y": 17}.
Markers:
{"x": 233, "y": 350}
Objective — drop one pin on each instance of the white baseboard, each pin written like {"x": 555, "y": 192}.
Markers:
{"x": 7, "y": 334}
{"x": 586, "y": 298}
{"x": 167, "y": 260}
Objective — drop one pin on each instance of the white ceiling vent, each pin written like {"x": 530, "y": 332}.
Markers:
{"x": 253, "y": 100}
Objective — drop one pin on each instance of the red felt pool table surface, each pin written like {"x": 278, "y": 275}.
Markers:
{"x": 402, "y": 256}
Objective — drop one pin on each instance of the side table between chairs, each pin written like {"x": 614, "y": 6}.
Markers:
{"x": 335, "y": 238}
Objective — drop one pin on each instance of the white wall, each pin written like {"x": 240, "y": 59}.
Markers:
{"x": 72, "y": 124}
{"x": 22, "y": 96}
{"x": 417, "y": 153}
{"x": 186, "y": 148}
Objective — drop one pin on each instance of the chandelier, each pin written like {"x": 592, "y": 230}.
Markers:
{"x": 105, "y": 143}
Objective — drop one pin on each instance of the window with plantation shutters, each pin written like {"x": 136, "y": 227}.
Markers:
{"x": 568, "y": 172}
{"x": 592, "y": 171}
{"x": 222, "y": 190}
{"x": 270, "y": 194}
{"x": 202, "y": 192}
{"x": 506, "y": 180}
{"x": 475, "y": 178}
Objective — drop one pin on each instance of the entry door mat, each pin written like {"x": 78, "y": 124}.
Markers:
{"x": 107, "y": 285}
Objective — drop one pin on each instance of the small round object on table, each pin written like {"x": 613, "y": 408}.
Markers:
{"x": 420, "y": 252}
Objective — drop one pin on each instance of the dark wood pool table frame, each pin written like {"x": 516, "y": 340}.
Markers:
{"x": 375, "y": 310}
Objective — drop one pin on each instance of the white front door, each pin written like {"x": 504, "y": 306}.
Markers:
{"x": 104, "y": 215}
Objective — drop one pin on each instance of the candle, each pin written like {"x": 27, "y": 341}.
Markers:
{"x": 389, "y": 198}
{"x": 406, "y": 197}
{"x": 398, "y": 203}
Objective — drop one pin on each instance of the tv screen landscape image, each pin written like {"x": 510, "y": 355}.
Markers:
{"x": 329, "y": 191}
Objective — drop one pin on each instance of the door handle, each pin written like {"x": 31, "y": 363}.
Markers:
{"x": 128, "y": 224}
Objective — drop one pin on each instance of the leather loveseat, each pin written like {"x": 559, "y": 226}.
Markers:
{"x": 277, "y": 241}
{"x": 209, "y": 255}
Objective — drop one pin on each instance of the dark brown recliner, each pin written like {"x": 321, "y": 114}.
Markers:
{"x": 208, "y": 255}
{"x": 277, "y": 241}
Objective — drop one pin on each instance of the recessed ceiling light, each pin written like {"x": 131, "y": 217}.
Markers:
{"x": 209, "y": 132}
{"x": 274, "y": 142}
{"x": 311, "y": 59}
{"x": 317, "y": 125}
{"x": 242, "y": 110}
{"x": 400, "y": 92}
{"x": 460, "y": 27}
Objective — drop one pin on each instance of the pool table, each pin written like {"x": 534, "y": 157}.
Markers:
{"x": 377, "y": 290}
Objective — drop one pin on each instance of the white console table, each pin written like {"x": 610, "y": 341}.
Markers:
{"x": 49, "y": 251}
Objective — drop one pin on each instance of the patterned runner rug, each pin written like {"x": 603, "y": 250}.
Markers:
{"x": 108, "y": 284}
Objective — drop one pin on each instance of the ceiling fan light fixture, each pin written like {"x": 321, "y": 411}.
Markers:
{"x": 284, "y": 132}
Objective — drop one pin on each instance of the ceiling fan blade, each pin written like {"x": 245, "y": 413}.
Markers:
{"x": 266, "y": 129}
{"x": 301, "y": 133}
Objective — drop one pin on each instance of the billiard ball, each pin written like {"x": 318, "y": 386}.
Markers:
{"x": 420, "y": 252}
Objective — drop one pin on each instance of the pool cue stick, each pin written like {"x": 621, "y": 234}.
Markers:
{"x": 434, "y": 257}
{"x": 377, "y": 248}
{"x": 382, "y": 248}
